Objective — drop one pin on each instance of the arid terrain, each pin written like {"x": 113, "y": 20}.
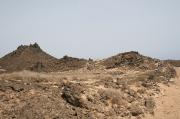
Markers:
{"x": 168, "y": 105}
{"x": 35, "y": 85}
{"x": 175, "y": 63}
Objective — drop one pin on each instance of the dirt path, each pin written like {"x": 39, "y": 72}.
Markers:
{"x": 168, "y": 105}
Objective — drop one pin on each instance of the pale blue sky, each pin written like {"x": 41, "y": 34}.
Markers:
{"x": 92, "y": 28}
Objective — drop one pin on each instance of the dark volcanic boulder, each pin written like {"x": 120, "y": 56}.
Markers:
{"x": 72, "y": 94}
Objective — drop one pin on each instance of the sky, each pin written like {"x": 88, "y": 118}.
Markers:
{"x": 92, "y": 28}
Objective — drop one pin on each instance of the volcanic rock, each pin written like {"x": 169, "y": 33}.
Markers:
{"x": 33, "y": 58}
{"x": 72, "y": 94}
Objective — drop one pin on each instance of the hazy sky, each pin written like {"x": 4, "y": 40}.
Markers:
{"x": 92, "y": 28}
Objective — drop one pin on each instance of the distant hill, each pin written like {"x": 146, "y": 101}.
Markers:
{"x": 174, "y": 62}
{"x": 135, "y": 61}
{"x": 132, "y": 59}
{"x": 33, "y": 58}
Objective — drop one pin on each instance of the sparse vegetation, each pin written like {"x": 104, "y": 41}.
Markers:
{"x": 175, "y": 63}
{"x": 122, "y": 86}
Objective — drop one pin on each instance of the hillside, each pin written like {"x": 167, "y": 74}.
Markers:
{"x": 175, "y": 63}
{"x": 132, "y": 59}
{"x": 33, "y": 58}
{"x": 123, "y": 86}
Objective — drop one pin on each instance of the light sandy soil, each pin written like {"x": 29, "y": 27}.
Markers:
{"x": 168, "y": 105}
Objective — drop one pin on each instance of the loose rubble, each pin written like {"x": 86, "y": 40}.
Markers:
{"x": 119, "y": 87}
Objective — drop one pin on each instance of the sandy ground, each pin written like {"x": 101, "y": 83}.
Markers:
{"x": 168, "y": 105}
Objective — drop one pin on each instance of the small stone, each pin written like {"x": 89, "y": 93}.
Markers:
{"x": 135, "y": 110}
{"x": 149, "y": 103}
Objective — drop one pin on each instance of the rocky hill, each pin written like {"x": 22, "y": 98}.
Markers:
{"x": 123, "y": 86}
{"x": 33, "y": 58}
{"x": 132, "y": 59}
{"x": 135, "y": 61}
{"x": 175, "y": 63}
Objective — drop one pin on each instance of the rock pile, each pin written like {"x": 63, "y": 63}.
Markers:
{"x": 135, "y": 61}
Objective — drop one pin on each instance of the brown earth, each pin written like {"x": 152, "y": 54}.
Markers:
{"x": 33, "y": 58}
{"x": 175, "y": 63}
{"x": 77, "y": 94}
{"x": 110, "y": 94}
{"x": 128, "y": 59}
{"x": 123, "y": 86}
{"x": 168, "y": 105}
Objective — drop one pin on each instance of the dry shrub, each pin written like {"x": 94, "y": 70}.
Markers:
{"x": 113, "y": 97}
